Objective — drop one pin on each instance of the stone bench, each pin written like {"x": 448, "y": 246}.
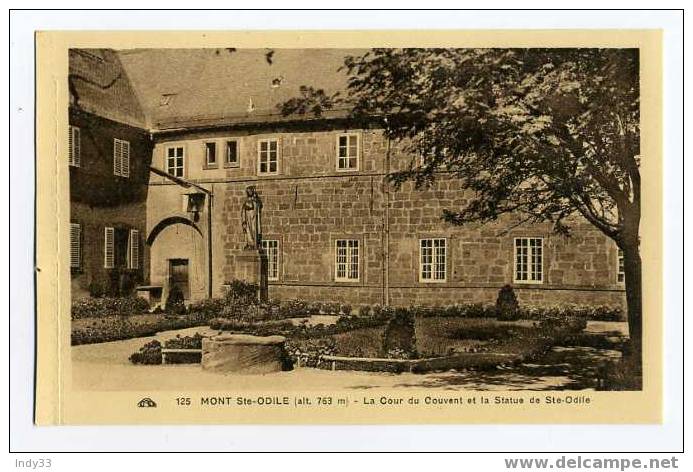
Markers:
{"x": 244, "y": 354}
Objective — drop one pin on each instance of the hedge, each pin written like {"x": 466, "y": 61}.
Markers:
{"x": 108, "y": 306}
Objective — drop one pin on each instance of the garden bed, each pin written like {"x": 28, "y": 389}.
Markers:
{"x": 442, "y": 343}
{"x": 115, "y": 328}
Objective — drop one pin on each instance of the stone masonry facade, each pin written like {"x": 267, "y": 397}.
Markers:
{"x": 310, "y": 204}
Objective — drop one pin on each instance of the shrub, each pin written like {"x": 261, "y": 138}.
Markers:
{"x": 184, "y": 342}
{"x": 314, "y": 308}
{"x": 624, "y": 375}
{"x": 293, "y": 309}
{"x": 175, "y": 303}
{"x": 345, "y": 309}
{"x": 101, "y": 307}
{"x": 309, "y": 351}
{"x": 594, "y": 313}
{"x": 331, "y": 308}
{"x": 207, "y": 309}
{"x": 240, "y": 291}
{"x": 149, "y": 354}
{"x": 259, "y": 328}
{"x": 117, "y": 328}
{"x": 399, "y": 338}
{"x": 366, "y": 311}
{"x": 507, "y": 307}
{"x": 96, "y": 290}
{"x": 240, "y": 311}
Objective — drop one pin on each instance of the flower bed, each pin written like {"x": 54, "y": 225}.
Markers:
{"x": 178, "y": 350}
{"x": 116, "y": 328}
{"x": 108, "y": 306}
{"x": 441, "y": 345}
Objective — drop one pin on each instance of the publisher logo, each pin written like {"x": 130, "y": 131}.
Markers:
{"x": 146, "y": 403}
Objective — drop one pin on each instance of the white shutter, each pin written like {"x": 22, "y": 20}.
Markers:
{"x": 76, "y": 147}
{"x": 70, "y": 147}
{"x": 117, "y": 166}
{"x": 73, "y": 146}
{"x": 108, "y": 253}
{"x": 134, "y": 249}
{"x": 75, "y": 245}
{"x": 125, "y": 158}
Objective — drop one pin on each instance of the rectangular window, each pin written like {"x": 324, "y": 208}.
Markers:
{"x": 348, "y": 152}
{"x": 74, "y": 153}
{"x": 121, "y": 248}
{"x": 433, "y": 260}
{"x": 175, "y": 156}
{"x": 232, "y": 158}
{"x": 621, "y": 275}
{"x": 347, "y": 260}
{"x": 529, "y": 260}
{"x": 121, "y": 157}
{"x": 134, "y": 249}
{"x": 109, "y": 248}
{"x": 268, "y": 160}
{"x": 75, "y": 246}
{"x": 211, "y": 154}
{"x": 271, "y": 249}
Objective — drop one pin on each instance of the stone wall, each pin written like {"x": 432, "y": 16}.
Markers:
{"x": 309, "y": 204}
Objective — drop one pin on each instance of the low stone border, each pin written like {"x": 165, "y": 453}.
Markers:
{"x": 484, "y": 360}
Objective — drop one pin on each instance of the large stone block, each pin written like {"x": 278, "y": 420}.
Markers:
{"x": 244, "y": 354}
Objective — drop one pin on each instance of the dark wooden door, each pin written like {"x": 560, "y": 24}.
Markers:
{"x": 178, "y": 270}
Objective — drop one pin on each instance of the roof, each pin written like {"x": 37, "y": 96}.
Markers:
{"x": 182, "y": 88}
{"x": 99, "y": 84}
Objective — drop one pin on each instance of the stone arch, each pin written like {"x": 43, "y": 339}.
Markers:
{"x": 166, "y": 222}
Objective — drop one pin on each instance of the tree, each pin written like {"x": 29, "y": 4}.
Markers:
{"x": 544, "y": 133}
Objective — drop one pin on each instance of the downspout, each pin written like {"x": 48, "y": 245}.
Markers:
{"x": 386, "y": 227}
{"x": 209, "y": 243}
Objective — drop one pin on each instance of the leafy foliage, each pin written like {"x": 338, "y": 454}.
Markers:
{"x": 175, "y": 303}
{"x": 507, "y": 307}
{"x": 149, "y": 354}
{"x": 399, "y": 338}
{"x": 543, "y": 134}
{"x": 108, "y": 306}
{"x": 311, "y": 101}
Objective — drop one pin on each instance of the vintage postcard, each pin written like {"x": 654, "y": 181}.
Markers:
{"x": 349, "y": 227}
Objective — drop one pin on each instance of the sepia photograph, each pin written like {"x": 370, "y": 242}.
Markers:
{"x": 346, "y": 231}
{"x": 447, "y": 219}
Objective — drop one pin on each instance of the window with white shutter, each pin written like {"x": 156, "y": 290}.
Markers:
{"x": 75, "y": 245}
{"x": 121, "y": 157}
{"x": 109, "y": 249}
{"x": 134, "y": 249}
{"x": 74, "y": 145}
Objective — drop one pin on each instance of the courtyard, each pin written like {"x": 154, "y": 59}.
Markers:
{"x": 105, "y": 366}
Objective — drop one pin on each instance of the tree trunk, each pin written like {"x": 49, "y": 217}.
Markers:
{"x": 633, "y": 276}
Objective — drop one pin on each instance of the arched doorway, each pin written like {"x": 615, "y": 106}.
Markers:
{"x": 177, "y": 257}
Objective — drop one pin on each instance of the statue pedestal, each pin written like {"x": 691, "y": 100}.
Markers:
{"x": 248, "y": 265}
{"x": 251, "y": 266}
